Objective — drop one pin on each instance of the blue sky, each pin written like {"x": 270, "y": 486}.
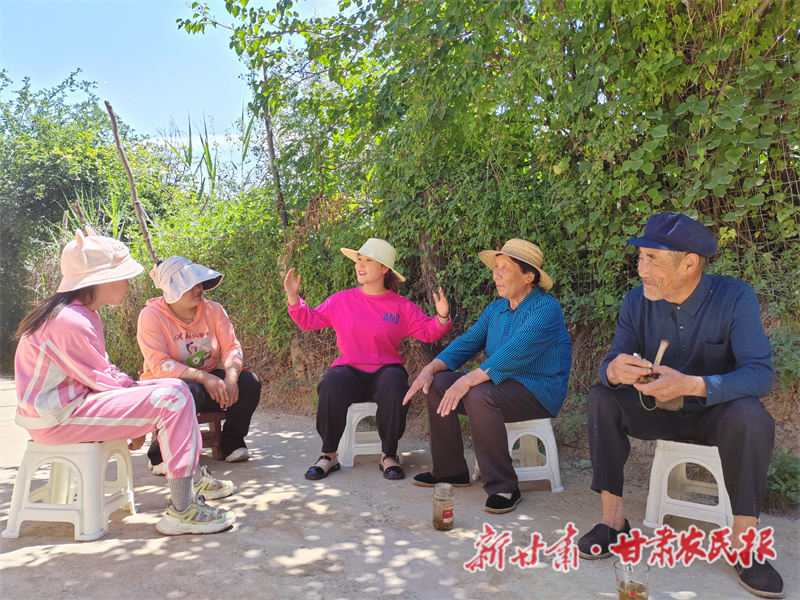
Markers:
{"x": 143, "y": 64}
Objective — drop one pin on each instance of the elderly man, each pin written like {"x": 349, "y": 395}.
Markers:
{"x": 712, "y": 376}
{"x": 524, "y": 376}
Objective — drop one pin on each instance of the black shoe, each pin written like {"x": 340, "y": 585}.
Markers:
{"x": 761, "y": 580}
{"x": 393, "y": 472}
{"x": 497, "y": 504}
{"x": 428, "y": 480}
{"x": 595, "y": 544}
{"x": 316, "y": 472}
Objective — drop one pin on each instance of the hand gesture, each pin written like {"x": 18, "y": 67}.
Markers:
{"x": 232, "y": 388}
{"x": 217, "y": 389}
{"x": 453, "y": 396}
{"x": 292, "y": 286}
{"x": 627, "y": 368}
{"x": 424, "y": 379}
{"x": 422, "y": 382}
{"x": 442, "y": 305}
{"x": 671, "y": 384}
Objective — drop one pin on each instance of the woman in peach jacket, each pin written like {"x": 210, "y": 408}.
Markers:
{"x": 182, "y": 334}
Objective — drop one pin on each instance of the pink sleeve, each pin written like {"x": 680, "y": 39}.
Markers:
{"x": 229, "y": 347}
{"x": 422, "y": 327}
{"x": 79, "y": 350}
{"x": 153, "y": 344}
{"x": 308, "y": 318}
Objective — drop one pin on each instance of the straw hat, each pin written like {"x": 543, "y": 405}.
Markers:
{"x": 177, "y": 275}
{"x": 522, "y": 250}
{"x": 94, "y": 259}
{"x": 376, "y": 249}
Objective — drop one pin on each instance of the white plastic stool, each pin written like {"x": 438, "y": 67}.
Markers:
{"x": 534, "y": 465}
{"x": 669, "y": 485}
{"x": 360, "y": 442}
{"x": 77, "y": 491}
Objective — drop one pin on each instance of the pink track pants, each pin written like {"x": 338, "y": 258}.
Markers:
{"x": 165, "y": 405}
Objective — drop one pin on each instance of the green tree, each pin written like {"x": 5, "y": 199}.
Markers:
{"x": 57, "y": 149}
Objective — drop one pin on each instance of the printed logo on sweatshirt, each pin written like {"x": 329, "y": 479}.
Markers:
{"x": 194, "y": 353}
{"x": 391, "y": 318}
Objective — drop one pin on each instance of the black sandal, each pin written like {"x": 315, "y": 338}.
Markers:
{"x": 393, "y": 472}
{"x": 316, "y": 472}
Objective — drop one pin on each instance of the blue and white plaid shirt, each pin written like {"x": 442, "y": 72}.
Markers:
{"x": 529, "y": 343}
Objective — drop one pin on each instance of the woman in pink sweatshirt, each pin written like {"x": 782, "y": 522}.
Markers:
{"x": 68, "y": 391}
{"x": 181, "y": 334}
{"x": 370, "y": 321}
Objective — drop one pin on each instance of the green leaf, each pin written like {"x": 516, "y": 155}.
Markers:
{"x": 659, "y": 132}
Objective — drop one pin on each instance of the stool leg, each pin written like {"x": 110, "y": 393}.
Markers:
{"x": 216, "y": 428}
{"x": 91, "y": 487}
{"x": 62, "y": 488}
{"x": 549, "y": 440}
{"x": 22, "y": 486}
{"x": 346, "y": 450}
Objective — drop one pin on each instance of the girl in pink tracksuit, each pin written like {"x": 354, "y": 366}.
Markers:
{"x": 370, "y": 323}
{"x": 68, "y": 392}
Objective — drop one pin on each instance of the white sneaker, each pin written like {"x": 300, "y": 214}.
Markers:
{"x": 238, "y": 455}
{"x": 211, "y": 488}
{"x": 159, "y": 469}
{"x": 198, "y": 518}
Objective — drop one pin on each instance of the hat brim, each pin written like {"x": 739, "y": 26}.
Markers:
{"x": 186, "y": 278}
{"x": 646, "y": 242}
{"x": 353, "y": 255}
{"x": 127, "y": 269}
{"x": 488, "y": 257}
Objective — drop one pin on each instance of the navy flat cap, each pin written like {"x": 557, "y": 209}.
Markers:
{"x": 679, "y": 233}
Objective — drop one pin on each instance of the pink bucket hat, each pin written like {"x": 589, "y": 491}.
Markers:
{"x": 94, "y": 259}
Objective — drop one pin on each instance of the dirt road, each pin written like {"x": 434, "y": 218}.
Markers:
{"x": 353, "y": 535}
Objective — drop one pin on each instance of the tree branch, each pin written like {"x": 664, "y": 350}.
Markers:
{"x": 137, "y": 206}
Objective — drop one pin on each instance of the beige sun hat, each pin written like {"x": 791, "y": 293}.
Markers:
{"x": 523, "y": 250}
{"x": 177, "y": 275}
{"x": 93, "y": 259}
{"x": 376, "y": 249}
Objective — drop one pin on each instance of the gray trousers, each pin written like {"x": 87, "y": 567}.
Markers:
{"x": 489, "y": 407}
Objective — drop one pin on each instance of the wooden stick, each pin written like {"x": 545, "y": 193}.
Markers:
{"x": 660, "y": 354}
{"x": 137, "y": 206}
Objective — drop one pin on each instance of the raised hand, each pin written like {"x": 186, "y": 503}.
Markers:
{"x": 292, "y": 286}
{"x": 442, "y": 305}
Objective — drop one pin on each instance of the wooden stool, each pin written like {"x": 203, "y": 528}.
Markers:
{"x": 212, "y": 437}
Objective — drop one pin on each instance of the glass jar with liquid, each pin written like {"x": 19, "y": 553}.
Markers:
{"x": 443, "y": 506}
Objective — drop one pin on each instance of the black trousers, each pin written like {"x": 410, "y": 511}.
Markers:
{"x": 742, "y": 430}
{"x": 489, "y": 407}
{"x": 345, "y": 385}
{"x": 238, "y": 416}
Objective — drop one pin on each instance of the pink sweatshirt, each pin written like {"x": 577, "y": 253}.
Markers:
{"x": 369, "y": 329}
{"x": 58, "y": 365}
{"x": 170, "y": 346}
